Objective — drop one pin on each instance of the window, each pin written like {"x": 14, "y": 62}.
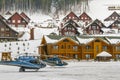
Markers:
{"x": 88, "y": 47}
{"x": 104, "y": 48}
{"x": 23, "y": 21}
{"x": 7, "y": 35}
{"x": 93, "y": 27}
{"x": 55, "y": 47}
{"x": 117, "y": 48}
{"x": 2, "y": 29}
{"x": 81, "y": 17}
{"x": 19, "y": 21}
{"x": 113, "y": 17}
{"x": 7, "y": 29}
{"x": 87, "y": 56}
{"x": 75, "y": 48}
{"x": 13, "y": 21}
{"x": 62, "y": 47}
{"x": 117, "y": 56}
{"x": 68, "y": 46}
{"x": 75, "y": 56}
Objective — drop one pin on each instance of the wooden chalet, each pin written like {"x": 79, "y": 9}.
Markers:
{"x": 69, "y": 28}
{"x": 6, "y": 32}
{"x": 72, "y": 16}
{"x": 114, "y": 16}
{"x": 84, "y": 17}
{"x": 82, "y": 47}
{"x": 95, "y": 27}
{"x": 16, "y": 20}
{"x": 65, "y": 47}
{"x": 115, "y": 25}
{"x": 25, "y": 17}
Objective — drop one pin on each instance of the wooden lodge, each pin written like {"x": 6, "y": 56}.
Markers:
{"x": 69, "y": 28}
{"x": 114, "y": 16}
{"x": 95, "y": 27}
{"x": 72, "y": 16}
{"x": 17, "y": 20}
{"x": 6, "y": 32}
{"x": 85, "y": 18}
{"x": 83, "y": 47}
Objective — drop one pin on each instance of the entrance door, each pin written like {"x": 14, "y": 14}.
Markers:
{"x": 97, "y": 48}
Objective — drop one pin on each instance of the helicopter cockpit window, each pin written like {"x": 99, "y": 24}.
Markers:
{"x": 34, "y": 61}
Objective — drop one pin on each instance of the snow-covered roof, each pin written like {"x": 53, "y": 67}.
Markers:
{"x": 113, "y": 40}
{"x": 26, "y": 36}
{"x": 49, "y": 40}
{"x": 84, "y": 40}
{"x": 104, "y": 54}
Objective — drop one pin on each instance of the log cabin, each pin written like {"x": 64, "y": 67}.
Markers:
{"x": 80, "y": 47}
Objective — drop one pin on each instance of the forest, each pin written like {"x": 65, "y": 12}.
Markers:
{"x": 45, "y": 6}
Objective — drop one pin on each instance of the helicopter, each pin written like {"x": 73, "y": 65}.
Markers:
{"x": 25, "y": 62}
{"x": 54, "y": 61}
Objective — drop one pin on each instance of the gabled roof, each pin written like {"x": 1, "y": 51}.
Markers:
{"x": 114, "y": 13}
{"x": 72, "y": 23}
{"x": 88, "y": 39}
{"x": 17, "y": 15}
{"x": 115, "y": 22}
{"x": 54, "y": 39}
{"x": 24, "y": 15}
{"x": 98, "y": 22}
{"x": 84, "y": 13}
{"x": 113, "y": 40}
{"x": 7, "y": 25}
{"x": 71, "y": 13}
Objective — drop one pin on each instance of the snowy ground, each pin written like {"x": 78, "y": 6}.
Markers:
{"x": 74, "y": 71}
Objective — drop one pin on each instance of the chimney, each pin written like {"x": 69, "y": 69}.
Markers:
{"x": 32, "y": 34}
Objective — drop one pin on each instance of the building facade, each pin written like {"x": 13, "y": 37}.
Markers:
{"x": 16, "y": 20}
{"x": 6, "y": 32}
{"x": 79, "y": 47}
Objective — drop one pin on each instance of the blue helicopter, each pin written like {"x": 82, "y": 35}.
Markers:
{"x": 25, "y": 62}
{"x": 55, "y": 61}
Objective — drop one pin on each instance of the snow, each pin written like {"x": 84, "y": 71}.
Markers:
{"x": 104, "y": 54}
{"x": 30, "y": 47}
{"x": 85, "y": 40}
{"x": 114, "y": 41}
{"x": 74, "y": 71}
{"x": 39, "y": 32}
{"x": 48, "y": 40}
{"x": 99, "y": 9}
